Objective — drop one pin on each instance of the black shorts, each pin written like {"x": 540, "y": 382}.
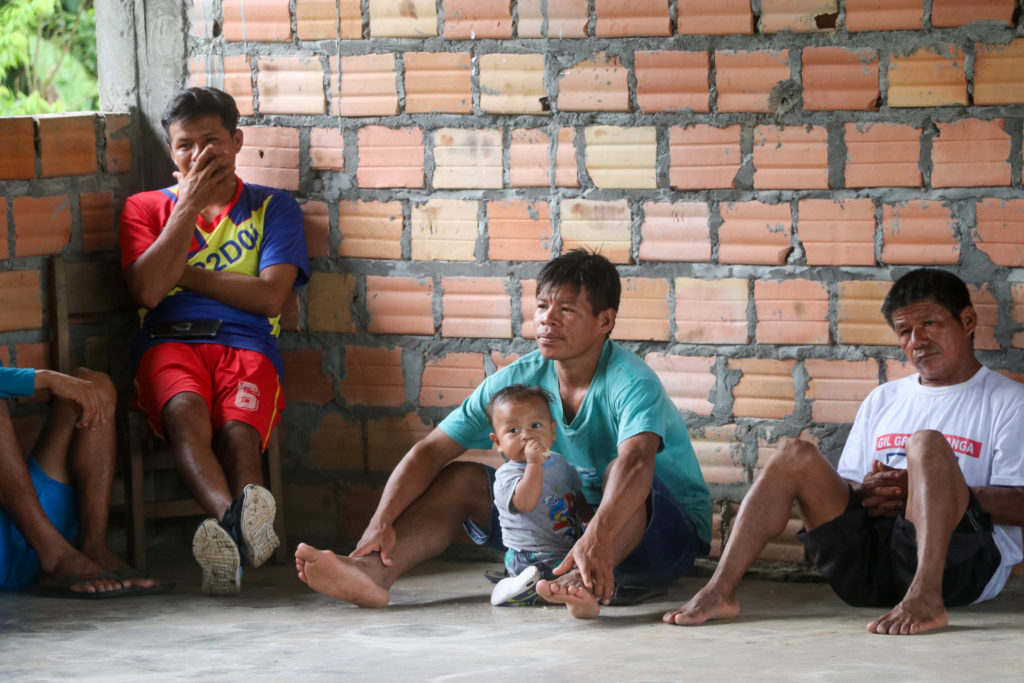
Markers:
{"x": 871, "y": 561}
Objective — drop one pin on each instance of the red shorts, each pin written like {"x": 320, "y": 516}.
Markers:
{"x": 237, "y": 384}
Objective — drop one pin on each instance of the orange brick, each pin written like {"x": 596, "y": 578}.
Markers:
{"x": 467, "y": 158}
{"x": 621, "y": 157}
{"x": 444, "y": 230}
{"x": 263, "y": 20}
{"x": 928, "y": 77}
{"x": 99, "y": 229}
{"x": 566, "y": 172}
{"x": 799, "y": 16}
{"x": 918, "y": 233}
{"x": 566, "y": 18}
{"x": 999, "y": 73}
{"x": 351, "y": 19}
{"x": 365, "y": 85}
{"x": 987, "y": 307}
{"x": 67, "y": 144}
{"x": 200, "y": 19}
{"x": 1016, "y": 311}
{"x": 715, "y": 17}
{"x": 290, "y": 85}
{"x": 755, "y": 233}
{"x": 327, "y": 149}
{"x": 971, "y": 153}
{"x": 475, "y": 19}
{"x": 791, "y": 312}
{"x": 512, "y": 84}
{"x": 389, "y": 438}
{"x": 270, "y": 156}
{"x": 837, "y": 78}
{"x": 897, "y": 369}
{"x": 837, "y": 387}
{"x": 21, "y": 300}
{"x": 304, "y": 380}
{"x": 4, "y": 250}
{"x": 949, "y": 13}
{"x": 675, "y": 232}
{"x": 449, "y": 380}
{"x": 329, "y": 302}
{"x": 791, "y": 157}
{"x": 518, "y": 230}
{"x": 373, "y": 377}
{"x": 390, "y": 157}
{"x": 529, "y": 158}
{"x": 500, "y": 360}
{"x": 627, "y": 18}
{"x": 882, "y": 155}
{"x": 316, "y": 19}
{"x": 400, "y": 305}
{"x": 858, "y": 313}
{"x": 719, "y": 454}
{"x": 409, "y": 19}
{"x": 704, "y": 157}
{"x": 232, "y": 74}
{"x": 1000, "y": 227}
{"x": 765, "y": 388}
{"x": 17, "y": 139}
{"x": 370, "y": 229}
{"x": 528, "y": 306}
{"x": 671, "y": 80}
{"x": 476, "y": 307}
{"x": 600, "y": 225}
{"x": 883, "y": 15}
{"x": 41, "y": 225}
{"x": 712, "y": 311}
{"x": 117, "y": 129}
{"x": 837, "y": 233}
{"x": 643, "y": 312}
{"x": 745, "y": 80}
{"x": 597, "y": 84}
{"x": 438, "y": 82}
{"x": 337, "y": 444}
{"x": 688, "y": 381}
{"x": 317, "y": 224}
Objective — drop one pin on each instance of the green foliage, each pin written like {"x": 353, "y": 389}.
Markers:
{"x": 47, "y": 56}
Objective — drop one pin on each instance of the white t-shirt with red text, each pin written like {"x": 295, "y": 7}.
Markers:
{"x": 982, "y": 419}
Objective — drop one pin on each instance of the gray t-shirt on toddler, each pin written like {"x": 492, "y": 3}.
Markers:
{"x": 554, "y": 524}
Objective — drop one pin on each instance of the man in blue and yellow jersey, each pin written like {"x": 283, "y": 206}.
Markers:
{"x": 212, "y": 262}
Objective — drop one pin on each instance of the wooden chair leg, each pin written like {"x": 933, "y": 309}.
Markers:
{"x": 276, "y": 486}
{"x": 136, "y": 526}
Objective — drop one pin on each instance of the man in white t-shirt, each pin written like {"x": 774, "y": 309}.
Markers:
{"x": 926, "y": 507}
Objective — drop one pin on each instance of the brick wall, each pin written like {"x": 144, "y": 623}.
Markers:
{"x": 63, "y": 178}
{"x": 759, "y": 170}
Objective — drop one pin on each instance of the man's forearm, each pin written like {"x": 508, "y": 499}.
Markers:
{"x": 265, "y": 294}
{"x": 626, "y": 490}
{"x": 158, "y": 269}
{"x": 1005, "y": 504}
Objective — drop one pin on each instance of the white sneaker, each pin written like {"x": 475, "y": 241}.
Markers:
{"x": 518, "y": 590}
{"x": 217, "y": 554}
{"x": 256, "y": 524}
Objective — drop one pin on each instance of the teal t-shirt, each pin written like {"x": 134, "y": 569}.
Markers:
{"x": 17, "y": 382}
{"x": 624, "y": 399}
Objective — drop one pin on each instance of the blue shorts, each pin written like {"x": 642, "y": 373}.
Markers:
{"x": 19, "y": 564}
{"x": 669, "y": 546}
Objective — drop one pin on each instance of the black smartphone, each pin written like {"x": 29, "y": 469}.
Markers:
{"x": 186, "y": 329}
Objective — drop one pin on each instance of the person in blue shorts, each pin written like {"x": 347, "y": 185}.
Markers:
{"x": 54, "y": 504}
{"x": 616, "y": 426}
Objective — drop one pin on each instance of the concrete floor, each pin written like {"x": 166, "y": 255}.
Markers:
{"x": 441, "y": 627}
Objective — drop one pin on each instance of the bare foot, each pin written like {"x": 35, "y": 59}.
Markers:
{"x": 109, "y": 560}
{"x": 339, "y": 577}
{"x": 706, "y": 604}
{"x": 74, "y": 563}
{"x": 570, "y": 591}
{"x": 912, "y": 615}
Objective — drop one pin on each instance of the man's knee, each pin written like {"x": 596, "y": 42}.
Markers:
{"x": 102, "y": 382}
{"x": 184, "y": 415}
{"x": 927, "y": 443}
{"x": 465, "y": 483}
{"x": 793, "y": 453}
{"x": 239, "y": 438}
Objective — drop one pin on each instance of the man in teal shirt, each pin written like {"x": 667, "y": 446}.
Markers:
{"x": 616, "y": 426}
